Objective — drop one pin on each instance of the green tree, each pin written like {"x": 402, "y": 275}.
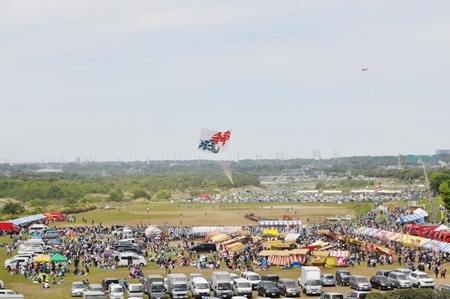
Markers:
{"x": 116, "y": 195}
{"x": 13, "y": 208}
{"x": 437, "y": 178}
{"x": 444, "y": 190}
{"x": 320, "y": 185}
{"x": 139, "y": 193}
{"x": 163, "y": 194}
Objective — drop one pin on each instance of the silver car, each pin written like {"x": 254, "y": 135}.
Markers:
{"x": 327, "y": 280}
{"x": 77, "y": 288}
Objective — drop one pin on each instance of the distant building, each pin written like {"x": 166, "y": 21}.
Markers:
{"x": 443, "y": 152}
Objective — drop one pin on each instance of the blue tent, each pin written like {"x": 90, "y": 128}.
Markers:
{"x": 410, "y": 218}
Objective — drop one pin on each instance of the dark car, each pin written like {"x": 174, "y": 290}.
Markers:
{"x": 204, "y": 247}
{"x": 270, "y": 277}
{"x": 383, "y": 272}
{"x": 107, "y": 281}
{"x": 343, "y": 277}
{"x": 288, "y": 288}
{"x": 268, "y": 289}
{"x": 381, "y": 282}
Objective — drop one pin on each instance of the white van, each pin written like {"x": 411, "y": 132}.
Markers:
{"x": 115, "y": 291}
{"x": 128, "y": 258}
{"x": 32, "y": 243}
{"x": 242, "y": 287}
{"x": 37, "y": 227}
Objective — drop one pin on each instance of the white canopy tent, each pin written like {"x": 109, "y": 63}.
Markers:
{"x": 421, "y": 212}
{"x": 291, "y": 237}
{"x": 152, "y": 230}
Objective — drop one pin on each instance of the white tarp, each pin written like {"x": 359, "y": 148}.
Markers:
{"x": 421, "y": 212}
{"x": 222, "y": 229}
{"x": 441, "y": 227}
{"x": 152, "y": 230}
{"x": 291, "y": 237}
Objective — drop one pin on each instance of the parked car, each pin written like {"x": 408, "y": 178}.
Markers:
{"x": 421, "y": 280}
{"x": 360, "y": 283}
{"x": 331, "y": 295}
{"x": 356, "y": 295}
{"x": 327, "y": 280}
{"x": 343, "y": 277}
{"x": 50, "y": 234}
{"x": 383, "y": 272}
{"x": 381, "y": 282}
{"x": 270, "y": 277}
{"x": 7, "y": 292}
{"x": 76, "y": 289}
{"x": 268, "y": 289}
{"x": 400, "y": 280}
{"x": 288, "y": 287}
{"x": 115, "y": 291}
{"x": 107, "y": 281}
{"x": 443, "y": 287}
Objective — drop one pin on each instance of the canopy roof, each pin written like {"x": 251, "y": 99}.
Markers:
{"x": 421, "y": 212}
{"x": 410, "y": 218}
{"x": 291, "y": 237}
{"x": 279, "y": 222}
{"x": 28, "y": 219}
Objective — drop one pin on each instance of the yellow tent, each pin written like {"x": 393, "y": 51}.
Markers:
{"x": 331, "y": 262}
{"x": 42, "y": 258}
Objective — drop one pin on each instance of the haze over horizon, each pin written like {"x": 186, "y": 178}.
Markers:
{"x": 109, "y": 80}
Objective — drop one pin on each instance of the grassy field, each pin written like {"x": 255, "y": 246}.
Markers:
{"x": 205, "y": 214}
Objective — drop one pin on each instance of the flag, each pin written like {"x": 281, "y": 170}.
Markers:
{"x": 365, "y": 69}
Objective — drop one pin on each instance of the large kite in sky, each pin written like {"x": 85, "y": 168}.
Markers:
{"x": 214, "y": 142}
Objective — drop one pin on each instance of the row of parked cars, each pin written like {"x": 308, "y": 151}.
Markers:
{"x": 109, "y": 287}
{"x": 382, "y": 280}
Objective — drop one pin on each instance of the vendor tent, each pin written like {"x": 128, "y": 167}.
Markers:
{"x": 28, "y": 219}
{"x": 42, "y": 258}
{"x": 410, "y": 218}
{"x": 279, "y": 222}
{"x": 58, "y": 258}
{"x": 341, "y": 257}
{"x": 291, "y": 237}
{"x": 420, "y": 212}
{"x": 152, "y": 230}
{"x": 441, "y": 227}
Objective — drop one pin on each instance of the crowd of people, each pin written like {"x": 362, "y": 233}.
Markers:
{"x": 91, "y": 246}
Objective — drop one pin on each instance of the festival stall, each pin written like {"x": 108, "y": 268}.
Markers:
{"x": 279, "y": 223}
{"x": 285, "y": 257}
{"x": 318, "y": 258}
{"x": 340, "y": 258}
{"x": 410, "y": 218}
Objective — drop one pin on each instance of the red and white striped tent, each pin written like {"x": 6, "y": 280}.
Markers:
{"x": 284, "y": 257}
{"x": 341, "y": 255}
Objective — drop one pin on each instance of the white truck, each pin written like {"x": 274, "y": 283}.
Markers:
{"x": 177, "y": 286}
{"x": 221, "y": 284}
{"x": 199, "y": 287}
{"x": 310, "y": 280}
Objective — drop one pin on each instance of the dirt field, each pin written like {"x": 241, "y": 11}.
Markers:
{"x": 210, "y": 215}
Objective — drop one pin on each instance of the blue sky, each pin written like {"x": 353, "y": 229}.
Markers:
{"x": 108, "y": 80}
